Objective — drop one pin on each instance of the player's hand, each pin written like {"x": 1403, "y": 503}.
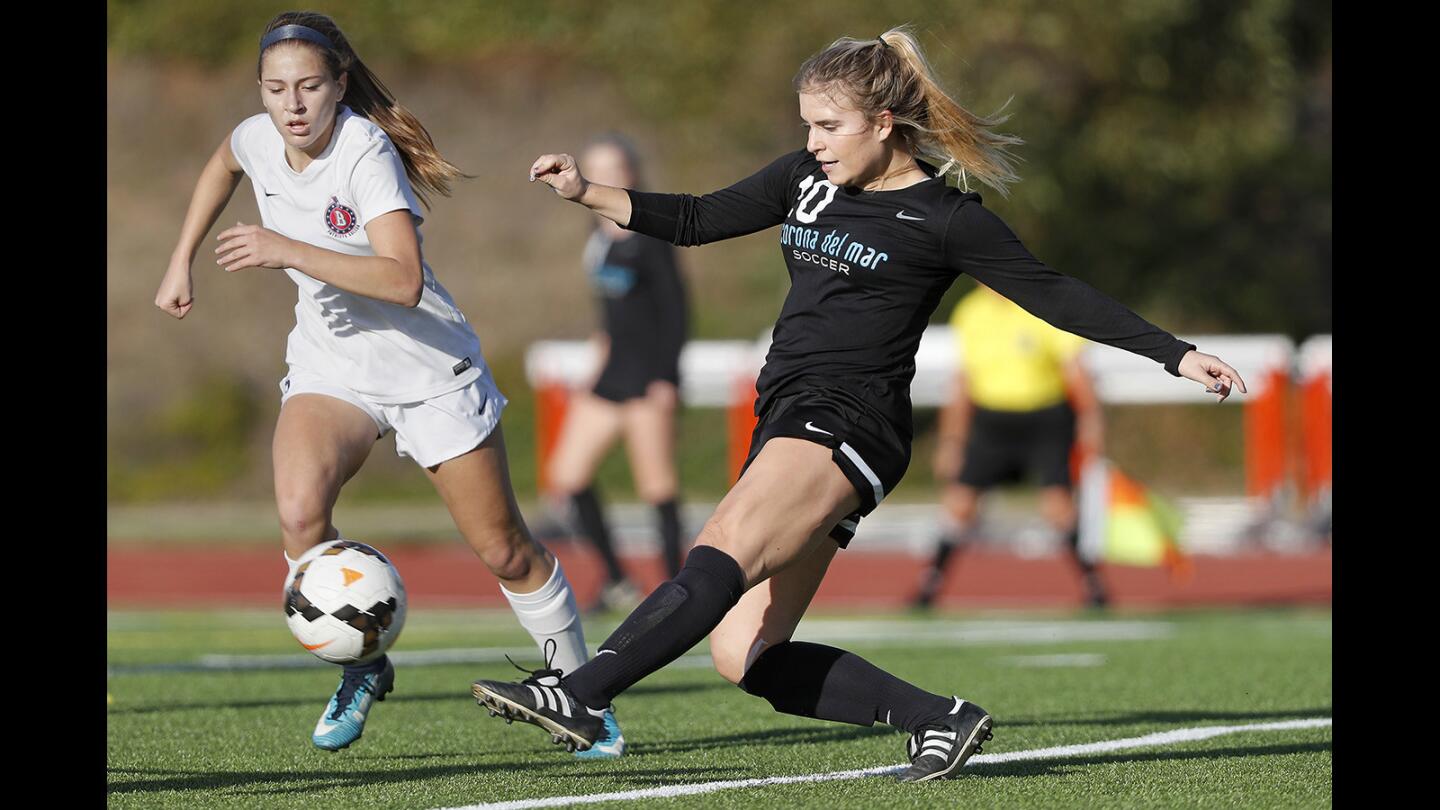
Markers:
{"x": 561, "y": 173}
{"x": 252, "y": 246}
{"x": 1210, "y": 371}
{"x": 175, "y": 297}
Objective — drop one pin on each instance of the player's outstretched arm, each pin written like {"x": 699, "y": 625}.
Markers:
{"x": 561, "y": 173}
{"x": 980, "y": 244}
{"x": 212, "y": 192}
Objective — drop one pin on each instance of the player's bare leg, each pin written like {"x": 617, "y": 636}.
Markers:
{"x": 752, "y": 648}
{"x": 767, "y": 520}
{"x": 960, "y": 515}
{"x": 592, "y": 426}
{"x": 320, "y": 443}
{"x": 476, "y": 488}
{"x": 650, "y": 426}
{"x": 1057, "y": 506}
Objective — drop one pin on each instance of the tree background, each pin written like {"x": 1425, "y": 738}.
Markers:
{"x": 1177, "y": 156}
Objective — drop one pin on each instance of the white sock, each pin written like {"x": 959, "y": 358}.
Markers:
{"x": 292, "y": 564}
{"x": 550, "y": 613}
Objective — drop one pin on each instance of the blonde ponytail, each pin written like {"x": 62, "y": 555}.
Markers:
{"x": 892, "y": 73}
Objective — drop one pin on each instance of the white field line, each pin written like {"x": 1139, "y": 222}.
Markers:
{"x": 1179, "y": 735}
{"x": 471, "y": 655}
{"x": 888, "y": 632}
{"x": 1063, "y": 660}
{"x": 878, "y": 632}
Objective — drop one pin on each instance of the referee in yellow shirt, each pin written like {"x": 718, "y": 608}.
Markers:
{"x": 1020, "y": 400}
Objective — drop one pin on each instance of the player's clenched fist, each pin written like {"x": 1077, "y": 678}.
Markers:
{"x": 561, "y": 173}
{"x": 175, "y": 296}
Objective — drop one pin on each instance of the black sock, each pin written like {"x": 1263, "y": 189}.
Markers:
{"x": 669, "y": 514}
{"x": 813, "y": 680}
{"x": 945, "y": 547}
{"x": 670, "y": 621}
{"x": 592, "y": 524}
{"x": 1094, "y": 588}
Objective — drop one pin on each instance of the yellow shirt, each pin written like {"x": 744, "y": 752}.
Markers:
{"x": 1012, "y": 360}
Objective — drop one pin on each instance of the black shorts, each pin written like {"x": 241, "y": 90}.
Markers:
{"x": 864, "y": 444}
{"x": 1010, "y": 446}
{"x": 623, "y": 380}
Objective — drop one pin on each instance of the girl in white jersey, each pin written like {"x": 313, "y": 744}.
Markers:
{"x": 378, "y": 343}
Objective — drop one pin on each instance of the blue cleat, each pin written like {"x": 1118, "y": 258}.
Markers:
{"x": 611, "y": 742}
{"x": 344, "y": 719}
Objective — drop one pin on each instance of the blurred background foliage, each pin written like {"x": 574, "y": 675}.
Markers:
{"x": 1177, "y": 156}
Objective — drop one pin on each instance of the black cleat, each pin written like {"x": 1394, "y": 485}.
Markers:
{"x": 938, "y": 750}
{"x": 543, "y": 700}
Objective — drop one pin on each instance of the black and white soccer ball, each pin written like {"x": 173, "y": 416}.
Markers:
{"x": 346, "y": 603}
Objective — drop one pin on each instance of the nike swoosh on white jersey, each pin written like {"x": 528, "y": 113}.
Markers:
{"x": 811, "y": 426}
{"x": 901, "y": 215}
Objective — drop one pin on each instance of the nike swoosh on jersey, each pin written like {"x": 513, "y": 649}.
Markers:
{"x": 811, "y": 426}
{"x": 901, "y": 215}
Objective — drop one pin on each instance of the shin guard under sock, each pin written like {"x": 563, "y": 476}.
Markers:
{"x": 674, "y": 618}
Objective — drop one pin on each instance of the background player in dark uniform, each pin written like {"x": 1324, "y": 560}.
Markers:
{"x": 872, "y": 237}
{"x": 642, "y": 298}
{"x": 1020, "y": 400}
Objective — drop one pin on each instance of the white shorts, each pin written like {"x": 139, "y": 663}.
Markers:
{"x": 430, "y": 431}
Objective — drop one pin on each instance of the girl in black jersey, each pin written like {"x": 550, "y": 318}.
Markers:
{"x": 872, "y": 237}
{"x": 642, "y": 298}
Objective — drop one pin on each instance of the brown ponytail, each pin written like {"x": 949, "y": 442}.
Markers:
{"x": 367, "y": 96}
{"x": 891, "y": 73}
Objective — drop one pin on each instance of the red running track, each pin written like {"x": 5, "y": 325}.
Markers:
{"x": 450, "y": 575}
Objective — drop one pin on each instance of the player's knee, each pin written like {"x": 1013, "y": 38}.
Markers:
{"x": 303, "y": 517}
{"x": 563, "y": 480}
{"x": 719, "y": 531}
{"x": 728, "y": 658}
{"x": 963, "y": 507}
{"x": 1059, "y": 511}
{"x": 506, "y": 551}
{"x": 656, "y": 492}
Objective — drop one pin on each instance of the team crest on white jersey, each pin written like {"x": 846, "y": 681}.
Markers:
{"x": 340, "y": 219}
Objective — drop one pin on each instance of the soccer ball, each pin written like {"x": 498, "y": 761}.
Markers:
{"x": 346, "y": 603}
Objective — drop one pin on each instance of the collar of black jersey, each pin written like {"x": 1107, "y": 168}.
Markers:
{"x": 930, "y": 170}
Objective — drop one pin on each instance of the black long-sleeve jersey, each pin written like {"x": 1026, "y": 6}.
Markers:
{"x": 868, "y": 268}
{"x": 642, "y": 297}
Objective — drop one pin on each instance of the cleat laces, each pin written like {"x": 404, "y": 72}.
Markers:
{"x": 350, "y": 683}
{"x": 538, "y": 676}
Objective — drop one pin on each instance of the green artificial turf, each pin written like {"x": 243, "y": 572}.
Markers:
{"x": 181, "y": 735}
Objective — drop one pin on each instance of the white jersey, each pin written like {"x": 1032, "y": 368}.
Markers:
{"x": 388, "y": 352}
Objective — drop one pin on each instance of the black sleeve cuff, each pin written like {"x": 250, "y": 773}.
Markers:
{"x": 653, "y": 214}
{"x": 1181, "y": 349}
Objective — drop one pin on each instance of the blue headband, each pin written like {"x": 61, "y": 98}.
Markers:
{"x": 295, "y": 32}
